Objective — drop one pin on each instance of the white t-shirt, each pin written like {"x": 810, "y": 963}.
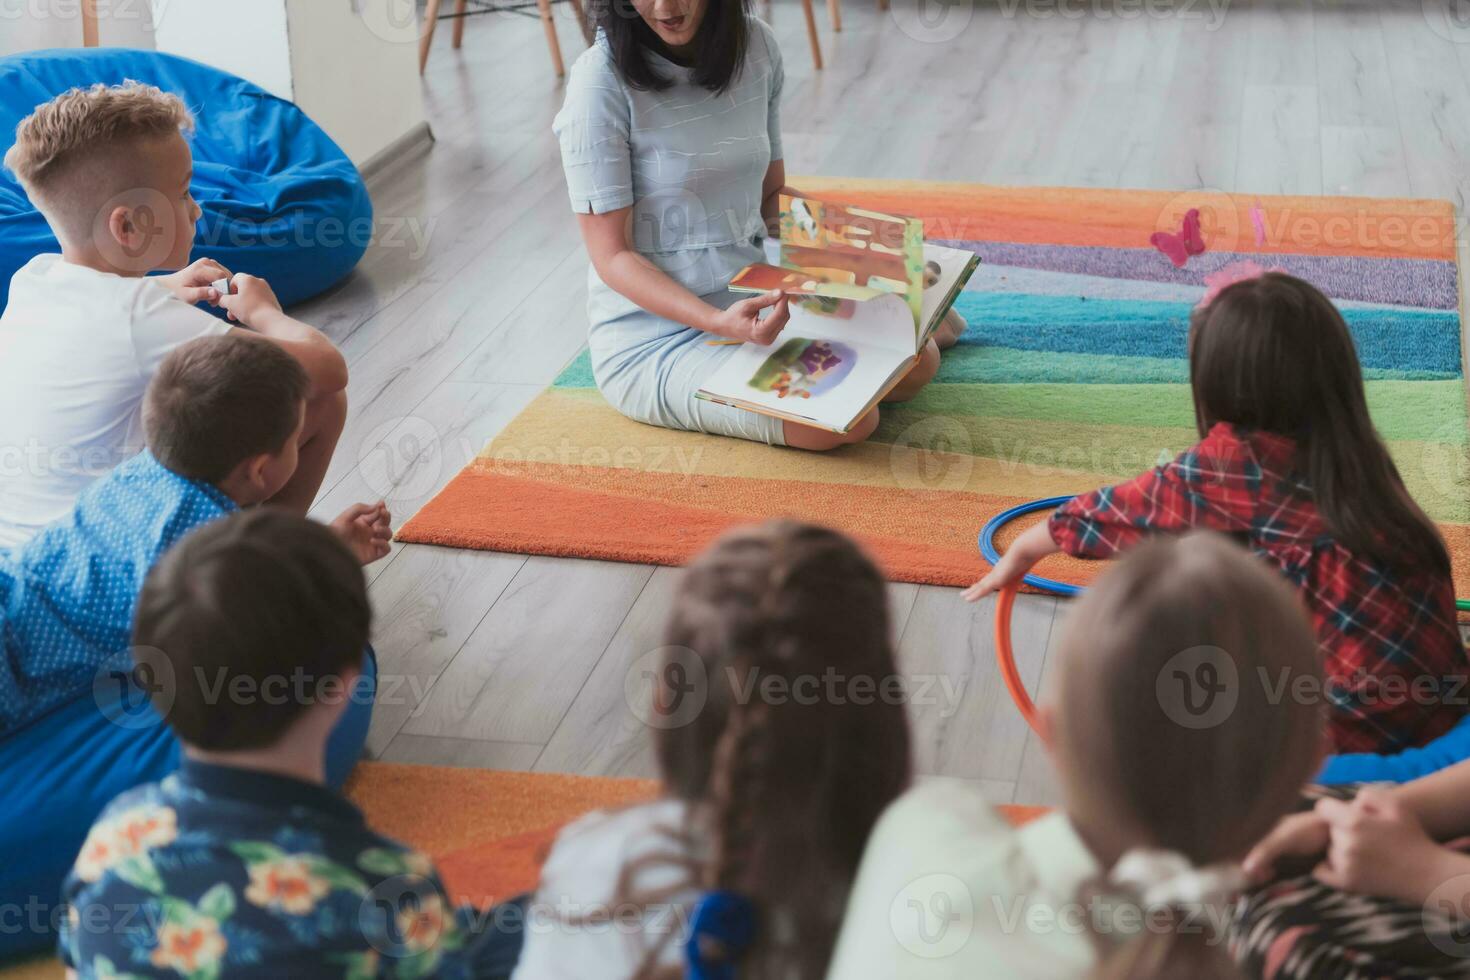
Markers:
{"x": 77, "y": 349}
{"x": 949, "y": 891}
{"x": 580, "y": 880}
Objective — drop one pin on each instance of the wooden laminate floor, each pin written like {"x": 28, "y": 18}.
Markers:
{"x": 472, "y": 301}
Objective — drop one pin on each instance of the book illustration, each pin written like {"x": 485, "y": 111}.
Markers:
{"x": 863, "y": 301}
{"x": 804, "y": 368}
{"x": 841, "y": 309}
{"x": 834, "y": 243}
{"x": 800, "y": 283}
{"x": 932, "y": 272}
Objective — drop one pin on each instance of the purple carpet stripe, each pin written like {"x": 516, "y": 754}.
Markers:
{"x": 1426, "y": 283}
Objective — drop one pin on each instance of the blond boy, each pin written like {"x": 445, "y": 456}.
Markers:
{"x": 110, "y": 169}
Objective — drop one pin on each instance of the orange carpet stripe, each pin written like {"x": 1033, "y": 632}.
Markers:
{"x": 937, "y": 517}
{"x": 1381, "y": 228}
{"x": 489, "y": 831}
{"x": 665, "y": 519}
{"x": 533, "y": 517}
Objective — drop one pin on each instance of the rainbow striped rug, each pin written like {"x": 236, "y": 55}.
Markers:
{"x": 1072, "y": 374}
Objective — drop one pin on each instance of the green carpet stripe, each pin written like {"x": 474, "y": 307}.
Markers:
{"x": 577, "y": 374}
{"x": 1428, "y": 411}
{"x": 1437, "y": 474}
{"x": 1432, "y": 411}
{"x": 978, "y": 364}
{"x": 975, "y": 364}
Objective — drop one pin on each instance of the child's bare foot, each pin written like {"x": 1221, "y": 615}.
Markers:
{"x": 367, "y": 529}
{"x": 950, "y": 330}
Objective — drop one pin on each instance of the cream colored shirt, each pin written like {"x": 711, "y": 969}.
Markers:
{"x": 948, "y": 889}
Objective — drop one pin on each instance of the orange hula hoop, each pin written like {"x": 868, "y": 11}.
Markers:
{"x": 1005, "y": 656}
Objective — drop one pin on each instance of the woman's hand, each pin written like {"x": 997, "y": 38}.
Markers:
{"x": 742, "y": 320}
{"x": 1300, "y": 835}
{"x": 1379, "y": 848}
{"x": 1032, "y": 546}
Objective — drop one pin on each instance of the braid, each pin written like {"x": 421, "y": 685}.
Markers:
{"x": 736, "y": 793}
{"x": 786, "y": 602}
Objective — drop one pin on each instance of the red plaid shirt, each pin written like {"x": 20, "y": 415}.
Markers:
{"x": 1396, "y": 668}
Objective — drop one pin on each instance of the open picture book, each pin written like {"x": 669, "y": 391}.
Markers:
{"x": 866, "y": 293}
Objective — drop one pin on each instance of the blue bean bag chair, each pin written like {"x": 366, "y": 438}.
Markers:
{"x": 280, "y": 199}
{"x": 59, "y": 772}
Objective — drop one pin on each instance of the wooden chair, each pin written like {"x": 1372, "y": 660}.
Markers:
{"x": 462, "y": 12}
{"x": 90, "y": 38}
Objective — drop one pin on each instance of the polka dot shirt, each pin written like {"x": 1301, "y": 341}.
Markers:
{"x": 68, "y": 594}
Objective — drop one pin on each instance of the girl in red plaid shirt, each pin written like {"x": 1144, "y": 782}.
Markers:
{"x": 1290, "y": 465}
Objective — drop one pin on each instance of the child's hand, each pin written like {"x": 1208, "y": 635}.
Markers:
{"x": 1028, "y": 549}
{"x": 1379, "y": 848}
{"x": 195, "y": 284}
{"x": 1300, "y": 835}
{"x": 367, "y": 529}
{"x": 252, "y": 299}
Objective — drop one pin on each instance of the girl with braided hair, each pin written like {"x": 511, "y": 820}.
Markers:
{"x": 780, "y": 734}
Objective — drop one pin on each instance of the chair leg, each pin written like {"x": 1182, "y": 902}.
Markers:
{"x": 811, "y": 33}
{"x": 459, "y": 8}
{"x": 431, "y": 21}
{"x": 90, "y": 37}
{"x": 834, "y": 14}
{"x": 882, "y": 4}
{"x": 582, "y": 22}
{"x": 551, "y": 42}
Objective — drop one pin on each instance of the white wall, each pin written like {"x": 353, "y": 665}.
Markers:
{"x": 356, "y": 71}
{"x": 352, "y": 65}
{"x": 27, "y": 25}
{"x": 244, "y": 37}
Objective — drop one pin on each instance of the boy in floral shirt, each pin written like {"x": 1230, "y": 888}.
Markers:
{"x": 244, "y": 863}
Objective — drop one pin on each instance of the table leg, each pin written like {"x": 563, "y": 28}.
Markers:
{"x": 551, "y": 42}
{"x": 459, "y": 8}
{"x": 811, "y": 33}
{"x": 582, "y": 21}
{"x": 431, "y": 20}
{"x": 90, "y": 34}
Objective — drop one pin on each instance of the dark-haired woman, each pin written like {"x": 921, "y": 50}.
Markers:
{"x": 671, "y": 142}
{"x": 1289, "y": 463}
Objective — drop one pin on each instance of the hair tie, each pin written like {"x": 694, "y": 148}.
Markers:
{"x": 1168, "y": 878}
{"x": 721, "y": 931}
{"x": 1230, "y": 275}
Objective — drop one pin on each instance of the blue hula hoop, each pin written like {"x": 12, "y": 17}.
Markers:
{"x": 987, "y": 543}
{"x": 987, "y": 548}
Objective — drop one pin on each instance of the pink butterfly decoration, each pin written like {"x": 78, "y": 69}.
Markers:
{"x": 1177, "y": 248}
{"x": 1230, "y": 275}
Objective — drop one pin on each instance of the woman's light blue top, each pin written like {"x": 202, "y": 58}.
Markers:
{"x": 690, "y": 163}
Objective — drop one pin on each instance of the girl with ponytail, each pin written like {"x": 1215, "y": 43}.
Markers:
{"x": 779, "y": 741}
{"x": 1179, "y": 735}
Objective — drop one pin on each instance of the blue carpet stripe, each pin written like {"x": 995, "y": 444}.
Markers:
{"x": 1396, "y": 339}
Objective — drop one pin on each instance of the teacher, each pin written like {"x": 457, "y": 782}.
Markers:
{"x": 671, "y": 142}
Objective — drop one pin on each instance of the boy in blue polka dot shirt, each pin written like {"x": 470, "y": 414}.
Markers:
{"x": 222, "y": 419}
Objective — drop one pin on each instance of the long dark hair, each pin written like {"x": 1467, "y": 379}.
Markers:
{"x": 719, "y": 44}
{"x": 782, "y": 791}
{"x": 1273, "y": 353}
{"x": 1135, "y": 755}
